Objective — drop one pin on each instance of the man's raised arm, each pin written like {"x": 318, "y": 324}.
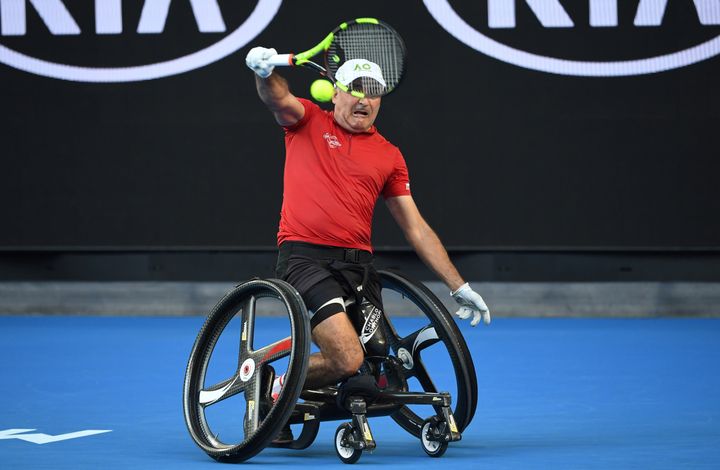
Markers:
{"x": 273, "y": 89}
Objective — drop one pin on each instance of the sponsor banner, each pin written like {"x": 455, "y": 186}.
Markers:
{"x": 525, "y": 124}
{"x": 109, "y": 25}
{"x": 598, "y": 16}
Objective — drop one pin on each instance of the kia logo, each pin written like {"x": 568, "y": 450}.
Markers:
{"x": 61, "y": 21}
{"x": 602, "y": 15}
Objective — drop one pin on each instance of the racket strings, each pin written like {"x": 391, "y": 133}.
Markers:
{"x": 373, "y": 42}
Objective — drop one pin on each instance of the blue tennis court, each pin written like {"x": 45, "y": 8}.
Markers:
{"x": 554, "y": 393}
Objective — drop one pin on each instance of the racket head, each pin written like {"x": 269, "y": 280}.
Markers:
{"x": 372, "y": 40}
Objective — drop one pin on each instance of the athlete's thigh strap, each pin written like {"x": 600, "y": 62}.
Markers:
{"x": 331, "y": 307}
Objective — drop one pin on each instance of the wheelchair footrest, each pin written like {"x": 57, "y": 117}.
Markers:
{"x": 305, "y": 411}
{"x": 307, "y": 414}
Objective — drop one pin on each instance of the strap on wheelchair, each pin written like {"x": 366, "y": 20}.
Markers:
{"x": 346, "y": 255}
{"x": 354, "y": 260}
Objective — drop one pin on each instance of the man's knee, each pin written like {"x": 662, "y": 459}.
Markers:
{"x": 339, "y": 344}
{"x": 345, "y": 354}
{"x": 349, "y": 363}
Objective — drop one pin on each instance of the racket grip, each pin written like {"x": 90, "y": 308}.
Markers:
{"x": 281, "y": 60}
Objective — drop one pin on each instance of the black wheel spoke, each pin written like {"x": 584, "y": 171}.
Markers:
{"x": 421, "y": 373}
{"x": 252, "y": 404}
{"x": 220, "y": 391}
{"x": 424, "y": 339}
{"x": 391, "y": 333}
{"x": 274, "y": 351}
{"x": 418, "y": 340}
{"x": 247, "y": 327}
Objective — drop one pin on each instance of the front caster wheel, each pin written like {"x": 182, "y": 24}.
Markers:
{"x": 343, "y": 444}
{"x": 429, "y": 433}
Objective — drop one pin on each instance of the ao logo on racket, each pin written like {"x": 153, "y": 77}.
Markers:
{"x": 99, "y": 41}
{"x": 586, "y": 37}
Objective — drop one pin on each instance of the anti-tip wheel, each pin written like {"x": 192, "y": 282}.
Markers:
{"x": 432, "y": 448}
{"x": 347, "y": 454}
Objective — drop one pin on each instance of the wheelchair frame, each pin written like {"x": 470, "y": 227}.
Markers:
{"x": 353, "y": 437}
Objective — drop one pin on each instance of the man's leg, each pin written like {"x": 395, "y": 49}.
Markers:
{"x": 340, "y": 353}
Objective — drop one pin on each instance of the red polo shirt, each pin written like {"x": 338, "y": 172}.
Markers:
{"x": 333, "y": 179}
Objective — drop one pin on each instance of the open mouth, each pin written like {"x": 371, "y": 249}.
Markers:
{"x": 360, "y": 113}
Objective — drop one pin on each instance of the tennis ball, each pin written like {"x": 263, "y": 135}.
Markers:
{"x": 322, "y": 90}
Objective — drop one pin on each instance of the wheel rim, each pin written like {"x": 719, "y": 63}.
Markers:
{"x": 431, "y": 446}
{"x": 200, "y": 399}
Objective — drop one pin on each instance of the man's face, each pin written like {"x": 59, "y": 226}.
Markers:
{"x": 355, "y": 114}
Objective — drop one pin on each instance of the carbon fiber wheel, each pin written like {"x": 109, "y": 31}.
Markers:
{"x": 228, "y": 375}
{"x": 440, "y": 336}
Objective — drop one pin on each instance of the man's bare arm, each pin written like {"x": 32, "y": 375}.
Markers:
{"x": 272, "y": 88}
{"x": 424, "y": 240}
{"x": 432, "y": 252}
{"x": 275, "y": 93}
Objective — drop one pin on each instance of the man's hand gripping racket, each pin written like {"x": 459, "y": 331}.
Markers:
{"x": 258, "y": 61}
{"x": 368, "y": 39}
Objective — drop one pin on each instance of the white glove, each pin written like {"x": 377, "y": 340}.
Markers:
{"x": 257, "y": 60}
{"x": 471, "y": 304}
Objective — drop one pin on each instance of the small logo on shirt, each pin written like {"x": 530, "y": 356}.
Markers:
{"x": 407, "y": 186}
{"x": 332, "y": 141}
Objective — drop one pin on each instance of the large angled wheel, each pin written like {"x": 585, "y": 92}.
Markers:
{"x": 435, "y": 337}
{"x": 229, "y": 370}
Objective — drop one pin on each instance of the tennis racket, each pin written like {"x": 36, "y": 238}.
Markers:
{"x": 361, "y": 38}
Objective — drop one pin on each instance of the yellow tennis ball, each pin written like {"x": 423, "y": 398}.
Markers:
{"x": 322, "y": 90}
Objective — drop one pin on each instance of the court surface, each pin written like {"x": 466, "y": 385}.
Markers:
{"x": 554, "y": 393}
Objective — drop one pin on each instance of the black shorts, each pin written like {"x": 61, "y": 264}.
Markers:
{"x": 322, "y": 273}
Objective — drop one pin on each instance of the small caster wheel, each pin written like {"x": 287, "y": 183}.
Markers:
{"x": 432, "y": 448}
{"x": 346, "y": 452}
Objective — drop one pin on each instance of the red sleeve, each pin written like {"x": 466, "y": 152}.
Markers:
{"x": 398, "y": 184}
{"x": 310, "y": 109}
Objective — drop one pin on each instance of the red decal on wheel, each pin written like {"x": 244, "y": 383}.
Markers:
{"x": 280, "y": 347}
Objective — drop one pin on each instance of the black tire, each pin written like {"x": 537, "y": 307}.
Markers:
{"x": 258, "y": 430}
{"x": 432, "y": 448}
{"x": 345, "y": 454}
{"x": 447, "y": 332}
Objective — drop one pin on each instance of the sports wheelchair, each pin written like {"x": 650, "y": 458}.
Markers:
{"x": 247, "y": 423}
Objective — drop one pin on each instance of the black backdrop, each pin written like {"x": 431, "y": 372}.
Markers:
{"x": 501, "y": 157}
